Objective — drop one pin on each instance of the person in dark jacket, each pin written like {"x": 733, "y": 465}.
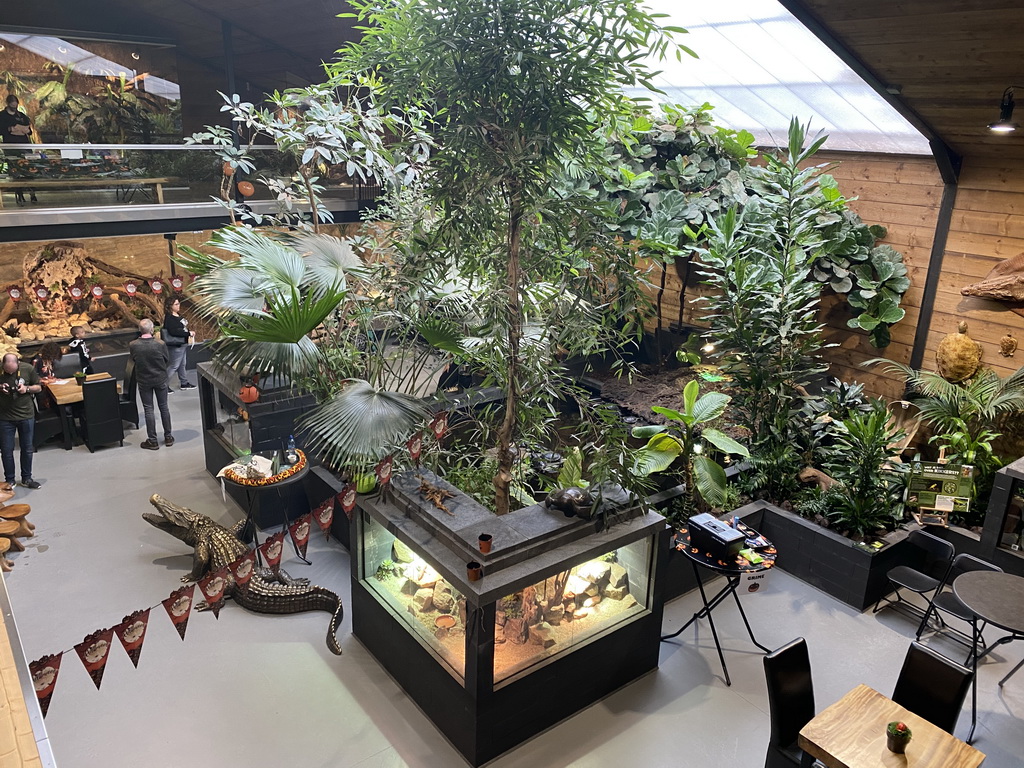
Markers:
{"x": 151, "y": 359}
{"x": 18, "y": 383}
{"x": 16, "y": 128}
{"x": 177, "y": 337}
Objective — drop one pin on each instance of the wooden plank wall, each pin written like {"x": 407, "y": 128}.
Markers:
{"x": 903, "y": 194}
{"x": 987, "y": 227}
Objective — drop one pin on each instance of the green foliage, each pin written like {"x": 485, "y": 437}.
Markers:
{"x": 473, "y": 479}
{"x": 386, "y": 571}
{"x": 860, "y": 461}
{"x": 703, "y": 477}
{"x": 514, "y": 89}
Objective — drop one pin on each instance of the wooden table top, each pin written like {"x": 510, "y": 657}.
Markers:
{"x": 67, "y": 391}
{"x": 994, "y": 596}
{"x": 851, "y": 734}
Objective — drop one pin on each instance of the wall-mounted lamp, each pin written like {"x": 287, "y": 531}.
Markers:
{"x": 1005, "y": 122}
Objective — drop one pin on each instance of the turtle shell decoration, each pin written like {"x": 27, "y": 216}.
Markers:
{"x": 958, "y": 355}
{"x": 1007, "y": 345}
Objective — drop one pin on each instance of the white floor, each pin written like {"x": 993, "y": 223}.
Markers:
{"x": 253, "y": 690}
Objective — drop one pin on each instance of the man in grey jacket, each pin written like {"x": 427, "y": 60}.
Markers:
{"x": 151, "y": 358}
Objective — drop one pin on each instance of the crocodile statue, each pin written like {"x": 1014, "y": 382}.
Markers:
{"x": 215, "y": 546}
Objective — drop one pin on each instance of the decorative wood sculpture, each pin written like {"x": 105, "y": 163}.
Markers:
{"x": 1005, "y": 283}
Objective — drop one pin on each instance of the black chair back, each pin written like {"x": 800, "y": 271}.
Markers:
{"x": 101, "y": 413}
{"x": 790, "y": 700}
{"x": 938, "y": 554}
{"x": 932, "y": 686}
{"x": 129, "y": 396}
{"x": 48, "y": 423}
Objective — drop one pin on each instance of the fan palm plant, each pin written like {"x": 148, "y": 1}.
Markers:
{"x": 286, "y": 304}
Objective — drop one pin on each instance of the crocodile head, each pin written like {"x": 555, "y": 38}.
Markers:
{"x": 180, "y": 522}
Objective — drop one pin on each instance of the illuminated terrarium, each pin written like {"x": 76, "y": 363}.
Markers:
{"x": 499, "y": 627}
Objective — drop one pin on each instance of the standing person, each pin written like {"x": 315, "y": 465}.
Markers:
{"x": 151, "y": 358}
{"x": 78, "y": 345}
{"x": 18, "y": 383}
{"x": 177, "y": 336}
{"x": 16, "y": 128}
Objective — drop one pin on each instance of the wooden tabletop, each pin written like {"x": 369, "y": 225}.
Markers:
{"x": 68, "y": 391}
{"x": 851, "y": 734}
{"x": 994, "y": 596}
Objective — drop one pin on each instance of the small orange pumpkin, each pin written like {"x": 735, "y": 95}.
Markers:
{"x": 246, "y": 188}
{"x": 248, "y": 394}
{"x": 228, "y": 170}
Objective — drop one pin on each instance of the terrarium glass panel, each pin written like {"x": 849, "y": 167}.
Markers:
{"x": 1012, "y": 535}
{"x": 559, "y": 613}
{"x": 422, "y": 598}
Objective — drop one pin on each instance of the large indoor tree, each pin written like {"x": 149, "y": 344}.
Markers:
{"x": 516, "y": 90}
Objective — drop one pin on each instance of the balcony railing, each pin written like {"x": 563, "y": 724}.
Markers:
{"x": 71, "y": 176}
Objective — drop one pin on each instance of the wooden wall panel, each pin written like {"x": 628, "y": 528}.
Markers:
{"x": 902, "y": 194}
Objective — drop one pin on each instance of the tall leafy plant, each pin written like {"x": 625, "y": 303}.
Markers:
{"x": 513, "y": 88}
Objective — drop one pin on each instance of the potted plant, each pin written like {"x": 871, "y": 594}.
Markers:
{"x": 897, "y": 737}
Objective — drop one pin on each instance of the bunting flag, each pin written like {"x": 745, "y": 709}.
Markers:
{"x": 131, "y": 287}
{"x": 94, "y": 651}
{"x": 439, "y": 424}
{"x": 177, "y": 283}
{"x": 178, "y": 606}
{"x": 383, "y": 469}
{"x": 96, "y": 291}
{"x": 415, "y": 446}
{"x": 271, "y": 549}
{"x": 299, "y": 531}
{"x": 212, "y": 587}
{"x": 242, "y": 569}
{"x": 132, "y": 634}
{"x": 44, "y": 673}
{"x": 15, "y": 293}
{"x": 76, "y": 291}
{"x": 157, "y": 285}
{"x": 347, "y": 500}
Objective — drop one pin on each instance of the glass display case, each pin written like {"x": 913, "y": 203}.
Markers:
{"x": 1002, "y": 537}
{"x": 478, "y": 639}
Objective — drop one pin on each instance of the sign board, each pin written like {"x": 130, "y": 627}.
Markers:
{"x": 940, "y": 488}
{"x": 753, "y": 581}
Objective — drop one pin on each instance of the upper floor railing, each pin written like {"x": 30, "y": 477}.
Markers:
{"x": 62, "y": 176}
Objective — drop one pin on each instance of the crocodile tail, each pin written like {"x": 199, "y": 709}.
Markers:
{"x": 332, "y": 630}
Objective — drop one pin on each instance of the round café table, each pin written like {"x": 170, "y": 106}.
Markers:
{"x": 996, "y": 598}
{"x": 248, "y": 530}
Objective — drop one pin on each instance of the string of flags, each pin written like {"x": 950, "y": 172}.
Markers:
{"x": 94, "y": 649}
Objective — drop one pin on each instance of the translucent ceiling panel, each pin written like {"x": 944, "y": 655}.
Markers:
{"x": 759, "y": 67}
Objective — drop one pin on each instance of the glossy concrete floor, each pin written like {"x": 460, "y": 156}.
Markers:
{"x": 251, "y": 690}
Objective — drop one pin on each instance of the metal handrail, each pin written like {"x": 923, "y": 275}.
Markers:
{"x": 132, "y": 147}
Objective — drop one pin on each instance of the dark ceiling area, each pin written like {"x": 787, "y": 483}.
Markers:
{"x": 946, "y": 61}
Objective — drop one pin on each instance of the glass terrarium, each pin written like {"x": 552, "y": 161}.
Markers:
{"x": 478, "y": 637}
{"x": 1004, "y": 518}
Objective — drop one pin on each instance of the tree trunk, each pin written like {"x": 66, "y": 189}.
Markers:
{"x": 514, "y": 316}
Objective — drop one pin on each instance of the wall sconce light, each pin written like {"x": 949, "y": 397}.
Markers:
{"x": 135, "y": 54}
{"x": 1005, "y": 122}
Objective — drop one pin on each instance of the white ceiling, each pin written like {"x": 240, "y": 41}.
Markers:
{"x": 759, "y": 66}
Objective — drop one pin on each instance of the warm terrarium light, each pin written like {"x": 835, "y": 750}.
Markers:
{"x": 1005, "y": 122}
{"x": 707, "y": 349}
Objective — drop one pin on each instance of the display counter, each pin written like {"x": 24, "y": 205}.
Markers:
{"x": 564, "y": 613}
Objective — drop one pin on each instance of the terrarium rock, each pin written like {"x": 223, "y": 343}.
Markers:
{"x": 618, "y": 577}
{"x": 554, "y": 614}
{"x": 400, "y": 553}
{"x": 597, "y": 573}
{"x": 423, "y": 600}
{"x": 410, "y": 587}
{"x": 443, "y": 599}
{"x": 543, "y": 635}
{"x": 515, "y": 630}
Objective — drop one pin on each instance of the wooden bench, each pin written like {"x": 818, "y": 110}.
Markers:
{"x": 124, "y": 184}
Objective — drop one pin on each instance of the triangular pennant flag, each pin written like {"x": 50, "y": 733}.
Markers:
{"x": 439, "y": 424}
{"x": 300, "y": 532}
{"x": 242, "y": 569}
{"x": 44, "y": 673}
{"x": 271, "y": 549}
{"x": 132, "y": 634}
{"x": 415, "y": 446}
{"x": 383, "y": 469}
{"x": 213, "y": 587}
{"x": 94, "y": 651}
{"x": 324, "y": 514}
{"x": 178, "y": 606}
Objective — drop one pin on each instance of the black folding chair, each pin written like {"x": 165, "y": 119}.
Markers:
{"x": 946, "y": 602}
{"x": 129, "y": 402}
{"x": 938, "y": 557}
{"x": 790, "y": 702}
{"x": 932, "y": 686}
{"x": 101, "y": 413}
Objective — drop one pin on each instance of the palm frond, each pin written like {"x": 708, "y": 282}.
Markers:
{"x": 361, "y": 424}
{"x": 196, "y": 262}
{"x": 226, "y": 291}
{"x": 329, "y": 260}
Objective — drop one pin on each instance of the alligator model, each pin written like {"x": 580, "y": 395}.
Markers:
{"x": 215, "y": 546}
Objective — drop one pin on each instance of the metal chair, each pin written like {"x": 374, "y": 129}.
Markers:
{"x": 947, "y": 602}
{"x": 790, "y": 702}
{"x": 129, "y": 402}
{"x": 932, "y": 686}
{"x": 938, "y": 555}
{"x": 101, "y": 413}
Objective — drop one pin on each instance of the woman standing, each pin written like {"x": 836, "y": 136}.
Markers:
{"x": 176, "y": 337}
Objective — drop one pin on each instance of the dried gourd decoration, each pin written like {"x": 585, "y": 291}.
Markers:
{"x": 958, "y": 355}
